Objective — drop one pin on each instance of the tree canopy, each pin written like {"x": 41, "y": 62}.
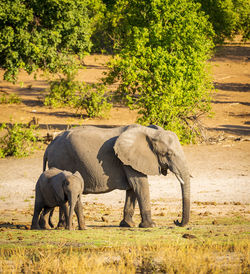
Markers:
{"x": 44, "y": 34}
{"x": 160, "y": 50}
{"x": 162, "y": 47}
{"x": 228, "y": 17}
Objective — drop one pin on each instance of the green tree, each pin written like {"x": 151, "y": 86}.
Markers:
{"x": 228, "y": 17}
{"x": 18, "y": 140}
{"x": 162, "y": 47}
{"x": 45, "y": 34}
{"x": 242, "y": 9}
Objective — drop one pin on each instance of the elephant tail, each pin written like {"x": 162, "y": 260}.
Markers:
{"x": 45, "y": 159}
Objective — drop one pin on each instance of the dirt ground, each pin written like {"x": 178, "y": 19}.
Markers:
{"x": 220, "y": 169}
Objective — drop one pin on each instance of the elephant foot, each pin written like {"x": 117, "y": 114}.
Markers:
{"x": 125, "y": 223}
{"x": 46, "y": 227}
{"x": 61, "y": 224}
{"x": 35, "y": 227}
{"x": 147, "y": 224}
{"x": 146, "y": 220}
{"x": 51, "y": 224}
{"x": 82, "y": 228}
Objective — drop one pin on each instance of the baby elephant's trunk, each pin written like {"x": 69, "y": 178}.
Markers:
{"x": 72, "y": 204}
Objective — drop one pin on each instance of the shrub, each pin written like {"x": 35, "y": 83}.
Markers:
{"x": 161, "y": 67}
{"x": 10, "y": 99}
{"x": 62, "y": 93}
{"x": 93, "y": 99}
{"x": 19, "y": 140}
{"x": 81, "y": 96}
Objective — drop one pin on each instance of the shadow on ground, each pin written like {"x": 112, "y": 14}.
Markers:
{"x": 9, "y": 225}
{"x": 238, "y": 87}
{"x": 233, "y": 129}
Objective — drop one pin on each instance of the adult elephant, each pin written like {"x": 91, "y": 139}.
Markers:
{"x": 121, "y": 158}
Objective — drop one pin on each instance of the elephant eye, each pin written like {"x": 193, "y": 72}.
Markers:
{"x": 169, "y": 153}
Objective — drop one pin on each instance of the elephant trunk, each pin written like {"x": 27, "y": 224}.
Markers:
{"x": 72, "y": 204}
{"x": 185, "y": 189}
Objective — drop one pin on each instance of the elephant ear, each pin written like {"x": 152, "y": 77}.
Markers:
{"x": 134, "y": 148}
{"x": 79, "y": 176}
{"x": 57, "y": 186}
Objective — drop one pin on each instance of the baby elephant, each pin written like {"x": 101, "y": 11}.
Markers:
{"x": 55, "y": 188}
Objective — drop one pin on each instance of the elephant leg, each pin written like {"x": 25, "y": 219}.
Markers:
{"x": 50, "y": 218}
{"x": 79, "y": 214}
{"x": 41, "y": 221}
{"x": 46, "y": 213}
{"x": 139, "y": 183}
{"x": 65, "y": 210}
{"x": 35, "y": 220}
{"x": 129, "y": 209}
{"x": 62, "y": 220}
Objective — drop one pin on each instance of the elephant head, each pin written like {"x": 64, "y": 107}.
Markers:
{"x": 154, "y": 151}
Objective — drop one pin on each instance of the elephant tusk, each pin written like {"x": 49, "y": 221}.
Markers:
{"x": 179, "y": 179}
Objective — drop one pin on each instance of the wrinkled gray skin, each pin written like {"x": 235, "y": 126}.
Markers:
{"x": 55, "y": 188}
{"x": 121, "y": 158}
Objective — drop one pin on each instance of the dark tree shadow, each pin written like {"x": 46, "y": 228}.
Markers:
{"x": 233, "y": 129}
{"x": 232, "y": 87}
{"x": 95, "y": 67}
{"x": 232, "y": 52}
{"x": 230, "y": 102}
{"x": 62, "y": 114}
{"x": 243, "y": 115}
{"x": 62, "y": 127}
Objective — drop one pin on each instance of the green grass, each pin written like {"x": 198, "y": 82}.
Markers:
{"x": 209, "y": 244}
{"x": 212, "y": 248}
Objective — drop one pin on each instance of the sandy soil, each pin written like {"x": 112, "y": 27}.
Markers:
{"x": 220, "y": 170}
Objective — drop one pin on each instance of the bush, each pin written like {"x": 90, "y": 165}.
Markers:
{"x": 93, "y": 99}
{"x": 19, "y": 140}
{"x": 10, "y": 99}
{"x": 68, "y": 92}
{"x": 62, "y": 93}
{"x": 161, "y": 67}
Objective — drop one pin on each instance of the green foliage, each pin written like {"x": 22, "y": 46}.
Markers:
{"x": 44, "y": 33}
{"x": 205, "y": 248}
{"x": 93, "y": 99}
{"x": 228, "y": 17}
{"x": 102, "y": 37}
{"x": 81, "y": 96}
{"x": 242, "y": 8}
{"x": 18, "y": 141}
{"x": 160, "y": 67}
{"x": 62, "y": 93}
{"x": 10, "y": 99}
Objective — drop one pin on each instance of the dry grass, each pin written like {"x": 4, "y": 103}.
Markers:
{"x": 174, "y": 257}
{"x": 211, "y": 243}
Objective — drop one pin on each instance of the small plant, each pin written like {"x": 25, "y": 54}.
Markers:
{"x": 18, "y": 141}
{"x": 10, "y": 99}
{"x": 68, "y": 92}
{"x": 62, "y": 92}
{"x": 92, "y": 98}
